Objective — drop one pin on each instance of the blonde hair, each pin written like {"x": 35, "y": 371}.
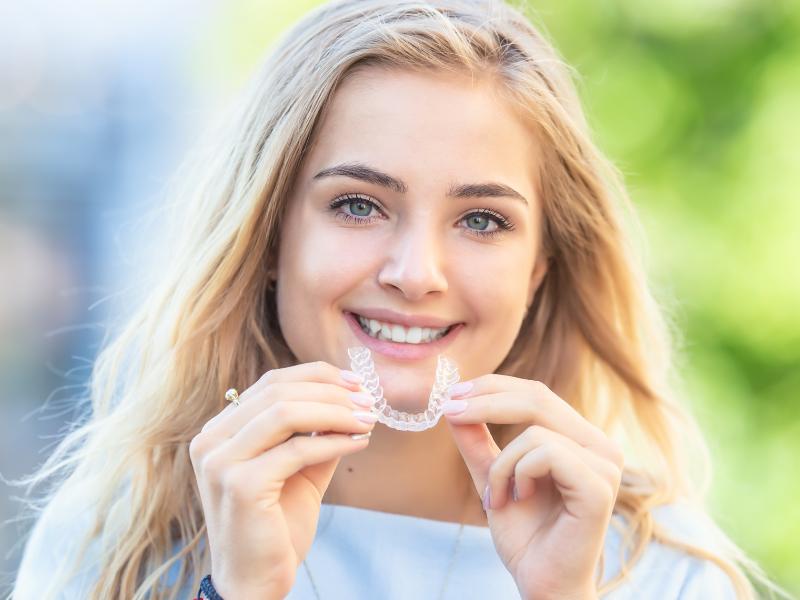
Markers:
{"x": 593, "y": 334}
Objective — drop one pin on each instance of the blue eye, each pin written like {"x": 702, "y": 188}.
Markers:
{"x": 362, "y": 204}
{"x": 359, "y": 209}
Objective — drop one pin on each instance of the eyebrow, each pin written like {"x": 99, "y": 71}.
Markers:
{"x": 369, "y": 174}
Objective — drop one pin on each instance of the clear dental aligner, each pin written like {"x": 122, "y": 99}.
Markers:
{"x": 446, "y": 375}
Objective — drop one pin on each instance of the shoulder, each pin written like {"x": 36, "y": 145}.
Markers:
{"x": 52, "y": 568}
{"x": 665, "y": 571}
{"x": 52, "y": 549}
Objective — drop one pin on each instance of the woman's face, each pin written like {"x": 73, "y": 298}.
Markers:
{"x": 416, "y": 207}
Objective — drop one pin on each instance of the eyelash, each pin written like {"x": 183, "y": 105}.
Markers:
{"x": 503, "y": 224}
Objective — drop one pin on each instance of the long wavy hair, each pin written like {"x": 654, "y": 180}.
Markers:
{"x": 594, "y": 333}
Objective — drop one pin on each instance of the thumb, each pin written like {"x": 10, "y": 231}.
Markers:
{"x": 478, "y": 449}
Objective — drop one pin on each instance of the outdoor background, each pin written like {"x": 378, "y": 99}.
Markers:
{"x": 696, "y": 100}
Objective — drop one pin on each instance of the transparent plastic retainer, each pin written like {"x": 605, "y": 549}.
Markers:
{"x": 446, "y": 375}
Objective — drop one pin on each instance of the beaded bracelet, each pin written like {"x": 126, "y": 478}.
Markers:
{"x": 207, "y": 591}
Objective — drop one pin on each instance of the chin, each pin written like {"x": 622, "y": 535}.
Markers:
{"x": 409, "y": 398}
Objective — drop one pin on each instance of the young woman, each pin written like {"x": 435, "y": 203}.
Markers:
{"x": 416, "y": 178}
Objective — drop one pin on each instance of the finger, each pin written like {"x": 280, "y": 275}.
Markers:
{"x": 286, "y": 459}
{"x": 214, "y": 421}
{"x": 325, "y": 393}
{"x": 478, "y": 449}
{"x": 311, "y": 372}
{"x": 503, "y": 399}
{"x": 584, "y": 492}
{"x": 317, "y": 372}
{"x": 504, "y": 468}
{"x": 280, "y": 421}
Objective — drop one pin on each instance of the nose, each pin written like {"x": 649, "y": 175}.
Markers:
{"x": 413, "y": 262}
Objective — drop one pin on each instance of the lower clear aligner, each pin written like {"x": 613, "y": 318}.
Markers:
{"x": 446, "y": 375}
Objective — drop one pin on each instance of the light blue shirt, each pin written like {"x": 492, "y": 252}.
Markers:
{"x": 359, "y": 553}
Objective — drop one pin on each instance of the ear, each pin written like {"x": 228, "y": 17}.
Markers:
{"x": 538, "y": 273}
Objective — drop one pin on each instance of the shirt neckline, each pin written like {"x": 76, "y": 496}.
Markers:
{"x": 355, "y": 511}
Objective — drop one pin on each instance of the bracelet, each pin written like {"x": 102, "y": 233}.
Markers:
{"x": 207, "y": 591}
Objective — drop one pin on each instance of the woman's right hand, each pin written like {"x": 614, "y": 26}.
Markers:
{"x": 261, "y": 485}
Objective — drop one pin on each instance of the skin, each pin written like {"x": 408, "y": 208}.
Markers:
{"x": 420, "y": 254}
{"x": 423, "y": 259}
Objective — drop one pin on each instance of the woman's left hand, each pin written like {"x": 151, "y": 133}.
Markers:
{"x": 567, "y": 473}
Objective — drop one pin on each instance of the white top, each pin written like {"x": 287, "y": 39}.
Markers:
{"x": 359, "y": 553}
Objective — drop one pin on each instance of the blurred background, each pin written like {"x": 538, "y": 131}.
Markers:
{"x": 695, "y": 100}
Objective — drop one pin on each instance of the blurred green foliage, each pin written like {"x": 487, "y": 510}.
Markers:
{"x": 696, "y": 101}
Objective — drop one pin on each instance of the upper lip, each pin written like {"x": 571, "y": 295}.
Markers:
{"x": 386, "y": 315}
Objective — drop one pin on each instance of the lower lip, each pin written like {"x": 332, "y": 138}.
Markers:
{"x": 402, "y": 351}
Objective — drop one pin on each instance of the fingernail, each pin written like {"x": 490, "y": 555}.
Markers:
{"x": 360, "y": 436}
{"x": 351, "y": 377}
{"x": 365, "y": 417}
{"x": 487, "y": 498}
{"x": 454, "y": 407}
{"x": 361, "y": 399}
{"x": 459, "y": 389}
{"x": 514, "y": 493}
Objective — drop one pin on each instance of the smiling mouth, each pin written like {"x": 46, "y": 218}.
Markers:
{"x": 392, "y": 332}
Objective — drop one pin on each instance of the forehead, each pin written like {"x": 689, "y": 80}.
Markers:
{"x": 427, "y": 126}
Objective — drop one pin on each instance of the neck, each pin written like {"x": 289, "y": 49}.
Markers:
{"x": 418, "y": 474}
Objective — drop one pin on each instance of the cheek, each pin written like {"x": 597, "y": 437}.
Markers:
{"x": 492, "y": 283}
{"x": 318, "y": 265}
{"x": 317, "y": 268}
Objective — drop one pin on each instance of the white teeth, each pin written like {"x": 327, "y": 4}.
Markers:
{"x": 414, "y": 335}
{"x": 398, "y": 333}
